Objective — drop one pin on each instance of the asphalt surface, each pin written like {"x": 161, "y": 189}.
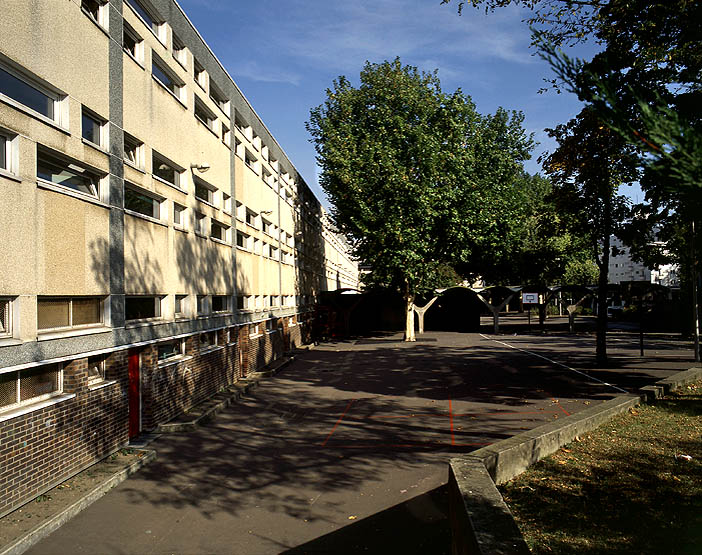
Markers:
{"x": 345, "y": 451}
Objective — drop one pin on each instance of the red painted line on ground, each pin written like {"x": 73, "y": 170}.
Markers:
{"x": 453, "y": 440}
{"x": 405, "y": 415}
{"x": 560, "y": 406}
{"x": 339, "y": 420}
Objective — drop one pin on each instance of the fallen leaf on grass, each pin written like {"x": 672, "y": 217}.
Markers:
{"x": 353, "y": 517}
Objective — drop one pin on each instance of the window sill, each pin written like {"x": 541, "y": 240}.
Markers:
{"x": 41, "y": 117}
{"x": 208, "y": 127}
{"x": 157, "y": 178}
{"x": 94, "y": 146}
{"x": 71, "y": 193}
{"x": 141, "y": 19}
{"x": 97, "y": 24}
{"x": 181, "y": 63}
{"x": 180, "y": 228}
{"x": 143, "y": 323}
{"x": 211, "y": 349}
{"x": 49, "y": 335}
{"x": 169, "y": 91}
{"x": 207, "y": 202}
{"x": 134, "y": 166}
{"x": 174, "y": 361}
{"x": 200, "y": 235}
{"x": 145, "y": 217}
{"x": 220, "y": 241}
{"x": 243, "y": 249}
{"x": 99, "y": 385}
{"x": 9, "y": 341}
{"x": 26, "y": 409}
{"x": 9, "y": 175}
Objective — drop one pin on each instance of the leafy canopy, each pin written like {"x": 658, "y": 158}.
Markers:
{"x": 417, "y": 178}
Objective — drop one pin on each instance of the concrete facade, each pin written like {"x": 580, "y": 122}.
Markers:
{"x": 156, "y": 242}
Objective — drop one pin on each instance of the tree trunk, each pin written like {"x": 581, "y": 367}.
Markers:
{"x": 409, "y": 318}
{"x": 601, "y": 349}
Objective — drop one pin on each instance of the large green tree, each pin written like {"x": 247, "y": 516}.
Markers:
{"x": 417, "y": 178}
{"x": 589, "y": 165}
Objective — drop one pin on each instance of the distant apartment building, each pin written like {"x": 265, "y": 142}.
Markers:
{"x": 623, "y": 269}
{"x": 156, "y": 242}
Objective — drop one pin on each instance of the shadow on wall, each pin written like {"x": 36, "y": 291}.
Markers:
{"x": 310, "y": 258}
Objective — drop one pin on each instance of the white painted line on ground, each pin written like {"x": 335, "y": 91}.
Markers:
{"x": 588, "y": 376}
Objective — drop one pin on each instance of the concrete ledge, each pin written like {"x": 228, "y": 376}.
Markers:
{"x": 481, "y": 522}
{"x": 43, "y": 530}
{"x": 208, "y": 409}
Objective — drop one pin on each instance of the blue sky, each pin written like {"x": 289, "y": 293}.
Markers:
{"x": 284, "y": 54}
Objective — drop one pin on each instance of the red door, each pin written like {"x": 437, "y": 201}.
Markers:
{"x": 134, "y": 394}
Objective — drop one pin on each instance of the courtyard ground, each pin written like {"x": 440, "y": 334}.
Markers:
{"x": 345, "y": 451}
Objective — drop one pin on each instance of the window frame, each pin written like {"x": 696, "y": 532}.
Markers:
{"x": 6, "y": 317}
{"x": 219, "y": 98}
{"x": 204, "y": 115}
{"x": 19, "y": 403}
{"x": 71, "y": 326}
{"x": 183, "y": 312}
{"x": 178, "y": 90}
{"x": 179, "y": 50}
{"x": 182, "y": 212}
{"x": 138, "y": 149}
{"x": 9, "y": 152}
{"x": 225, "y": 238}
{"x": 158, "y": 308}
{"x": 180, "y": 352}
{"x": 227, "y": 308}
{"x": 158, "y": 203}
{"x": 102, "y": 17}
{"x": 102, "y": 368}
{"x": 203, "y": 306}
{"x": 199, "y": 185}
{"x": 151, "y": 19}
{"x": 100, "y": 122}
{"x": 208, "y": 346}
{"x": 200, "y": 224}
{"x": 138, "y": 54}
{"x": 58, "y": 159}
{"x": 59, "y": 100}
{"x": 199, "y": 74}
{"x": 177, "y": 171}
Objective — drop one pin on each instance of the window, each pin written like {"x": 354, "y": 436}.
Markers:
{"x": 165, "y": 77}
{"x": 226, "y": 136}
{"x": 8, "y": 152}
{"x": 200, "y": 74}
{"x": 240, "y": 211}
{"x": 200, "y": 223}
{"x": 204, "y": 191}
{"x": 202, "y": 307}
{"x": 170, "y": 349}
{"x": 220, "y": 303}
{"x": 257, "y": 246}
{"x": 208, "y": 340}
{"x": 93, "y": 128}
{"x": 95, "y": 10}
{"x": 142, "y": 307}
{"x": 251, "y": 218}
{"x": 203, "y": 114}
{"x": 266, "y": 175}
{"x": 142, "y": 203}
{"x": 180, "y": 308}
{"x": 227, "y": 203}
{"x": 274, "y": 300}
{"x": 179, "y": 215}
{"x": 218, "y": 98}
{"x": 250, "y": 160}
{"x": 5, "y": 317}
{"x": 132, "y": 43}
{"x": 96, "y": 368}
{"x": 219, "y": 231}
{"x": 270, "y": 325}
{"x": 179, "y": 51}
{"x": 68, "y": 312}
{"x": 133, "y": 151}
{"x": 148, "y": 16}
{"x": 241, "y": 302}
{"x": 266, "y": 225}
{"x": 28, "y": 386}
{"x": 59, "y": 171}
{"x": 29, "y": 93}
{"x": 242, "y": 240}
{"x": 165, "y": 170}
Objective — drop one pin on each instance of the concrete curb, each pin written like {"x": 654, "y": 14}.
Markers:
{"x": 43, "y": 530}
{"x": 481, "y": 522}
{"x": 208, "y": 409}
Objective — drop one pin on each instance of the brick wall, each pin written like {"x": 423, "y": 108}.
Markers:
{"x": 42, "y": 448}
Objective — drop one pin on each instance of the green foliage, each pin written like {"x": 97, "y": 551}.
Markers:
{"x": 580, "y": 272}
{"x": 416, "y": 177}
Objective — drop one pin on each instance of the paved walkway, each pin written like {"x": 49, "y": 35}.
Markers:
{"x": 345, "y": 450}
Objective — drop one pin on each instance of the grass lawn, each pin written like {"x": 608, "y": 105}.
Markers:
{"x": 621, "y": 488}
